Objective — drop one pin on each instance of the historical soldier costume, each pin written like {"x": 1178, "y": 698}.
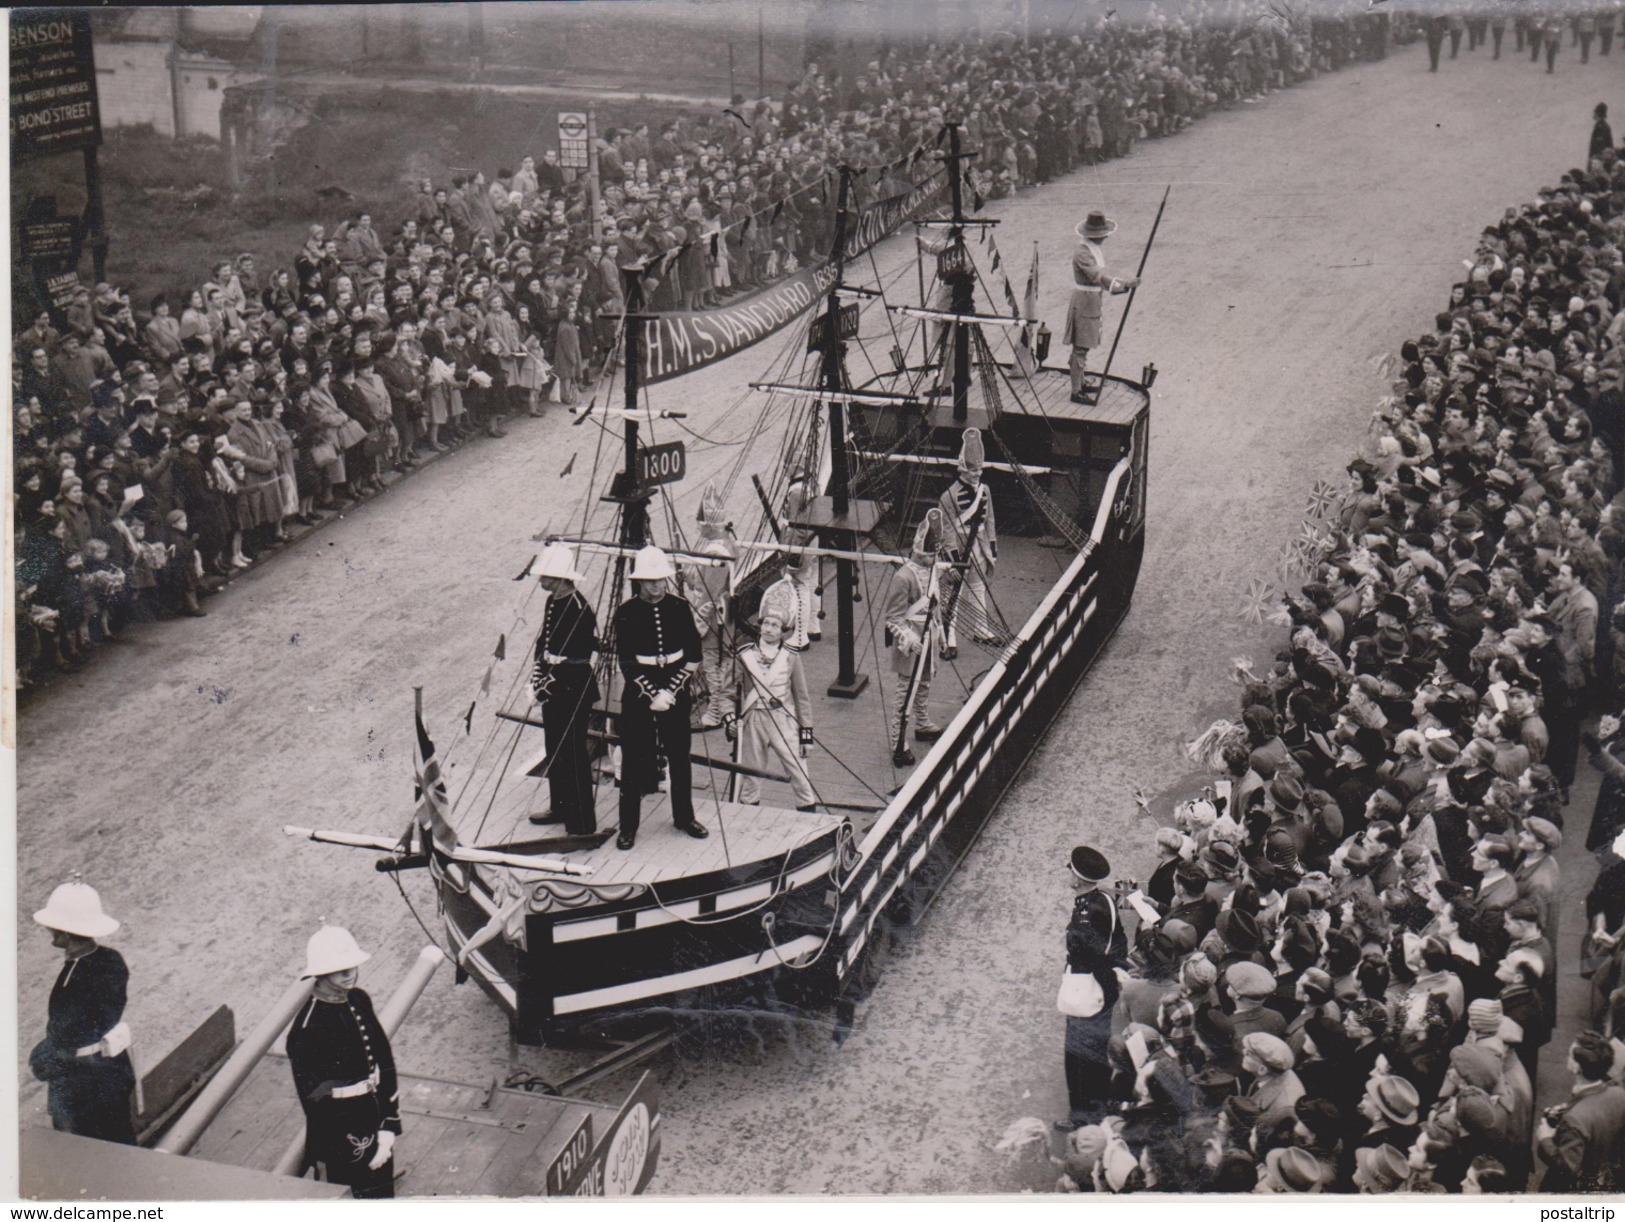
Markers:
{"x": 967, "y": 508}
{"x": 710, "y": 588}
{"x": 567, "y": 690}
{"x": 801, "y": 573}
{"x": 914, "y": 632}
{"x": 659, "y": 650}
{"x": 775, "y": 713}
{"x": 1095, "y": 946}
{"x": 1090, "y": 283}
{"x": 344, "y": 1072}
{"x": 84, "y": 1058}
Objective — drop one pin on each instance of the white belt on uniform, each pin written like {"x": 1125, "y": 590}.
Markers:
{"x": 658, "y": 659}
{"x": 114, "y": 1042}
{"x": 356, "y": 1089}
{"x": 558, "y": 659}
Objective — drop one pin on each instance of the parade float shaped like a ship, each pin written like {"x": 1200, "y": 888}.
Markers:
{"x": 782, "y": 904}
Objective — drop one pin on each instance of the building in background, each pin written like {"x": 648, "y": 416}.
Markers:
{"x": 169, "y": 67}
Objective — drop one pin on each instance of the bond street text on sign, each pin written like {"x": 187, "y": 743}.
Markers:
{"x": 573, "y": 139}
{"x": 662, "y": 464}
{"x": 53, "y": 84}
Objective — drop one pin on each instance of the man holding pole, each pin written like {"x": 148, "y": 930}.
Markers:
{"x": 914, "y": 632}
{"x": 1090, "y": 283}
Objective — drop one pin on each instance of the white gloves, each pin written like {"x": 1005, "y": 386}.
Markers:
{"x": 386, "y": 1147}
{"x": 662, "y": 702}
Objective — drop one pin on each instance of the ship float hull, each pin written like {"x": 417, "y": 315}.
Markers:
{"x": 793, "y": 928}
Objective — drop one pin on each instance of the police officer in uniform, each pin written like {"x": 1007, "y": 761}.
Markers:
{"x": 344, "y": 1072}
{"x": 84, "y": 1058}
{"x": 567, "y": 690}
{"x": 659, "y": 650}
{"x": 1090, "y": 283}
{"x": 1096, "y": 945}
{"x": 966, "y": 502}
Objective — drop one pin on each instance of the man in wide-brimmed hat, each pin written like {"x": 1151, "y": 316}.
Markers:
{"x": 1090, "y": 283}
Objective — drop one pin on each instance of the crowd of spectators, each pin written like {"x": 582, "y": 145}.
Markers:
{"x": 158, "y": 453}
{"x": 1350, "y": 949}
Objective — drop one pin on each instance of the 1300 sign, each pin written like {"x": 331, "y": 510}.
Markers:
{"x": 662, "y": 464}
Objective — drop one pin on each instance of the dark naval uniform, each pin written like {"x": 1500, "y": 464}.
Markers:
{"x": 1094, "y": 925}
{"x": 345, "y": 1075}
{"x": 567, "y": 689}
{"x": 657, "y": 644}
{"x": 89, "y": 1093}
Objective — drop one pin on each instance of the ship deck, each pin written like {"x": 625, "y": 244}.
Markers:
{"x": 851, "y": 766}
{"x": 458, "y": 1140}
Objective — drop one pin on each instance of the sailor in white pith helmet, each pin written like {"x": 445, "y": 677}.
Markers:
{"x": 913, "y": 629}
{"x": 710, "y": 588}
{"x": 967, "y": 507}
{"x": 659, "y": 650}
{"x": 775, "y": 711}
{"x": 84, "y": 1058}
{"x": 566, "y": 687}
{"x": 1090, "y": 284}
{"x": 344, "y": 1072}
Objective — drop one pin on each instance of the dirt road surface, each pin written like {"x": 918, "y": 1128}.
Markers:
{"x": 1306, "y": 236}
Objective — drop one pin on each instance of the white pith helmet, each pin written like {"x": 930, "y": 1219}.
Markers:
{"x": 331, "y": 949}
{"x": 558, "y": 561}
{"x": 652, "y": 564}
{"x": 76, "y": 908}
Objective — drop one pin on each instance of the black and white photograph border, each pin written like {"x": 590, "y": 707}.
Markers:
{"x": 806, "y": 598}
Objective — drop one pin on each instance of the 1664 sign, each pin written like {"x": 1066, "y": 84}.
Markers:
{"x": 662, "y": 464}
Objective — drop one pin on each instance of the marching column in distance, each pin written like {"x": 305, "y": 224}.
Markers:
{"x": 775, "y": 713}
{"x": 908, "y": 608}
{"x": 964, "y": 501}
{"x": 711, "y": 608}
{"x": 344, "y": 1072}
{"x": 659, "y": 650}
{"x": 566, "y": 687}
{"x": 1090, "y": 283}
{"x": 84, "y": 1059}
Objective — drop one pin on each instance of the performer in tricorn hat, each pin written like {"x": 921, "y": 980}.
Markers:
{"x": 1090, "y": 283}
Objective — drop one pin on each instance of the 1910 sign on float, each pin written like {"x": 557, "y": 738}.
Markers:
{"x": 662, "y": 464}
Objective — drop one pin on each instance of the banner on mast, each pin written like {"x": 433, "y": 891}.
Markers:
{"x": 675, "y": 343}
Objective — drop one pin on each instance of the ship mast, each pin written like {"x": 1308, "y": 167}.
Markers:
{"x": 627, "y": 489}
{"x": 839, "y": 520}
{"x": 960, "y": 276}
